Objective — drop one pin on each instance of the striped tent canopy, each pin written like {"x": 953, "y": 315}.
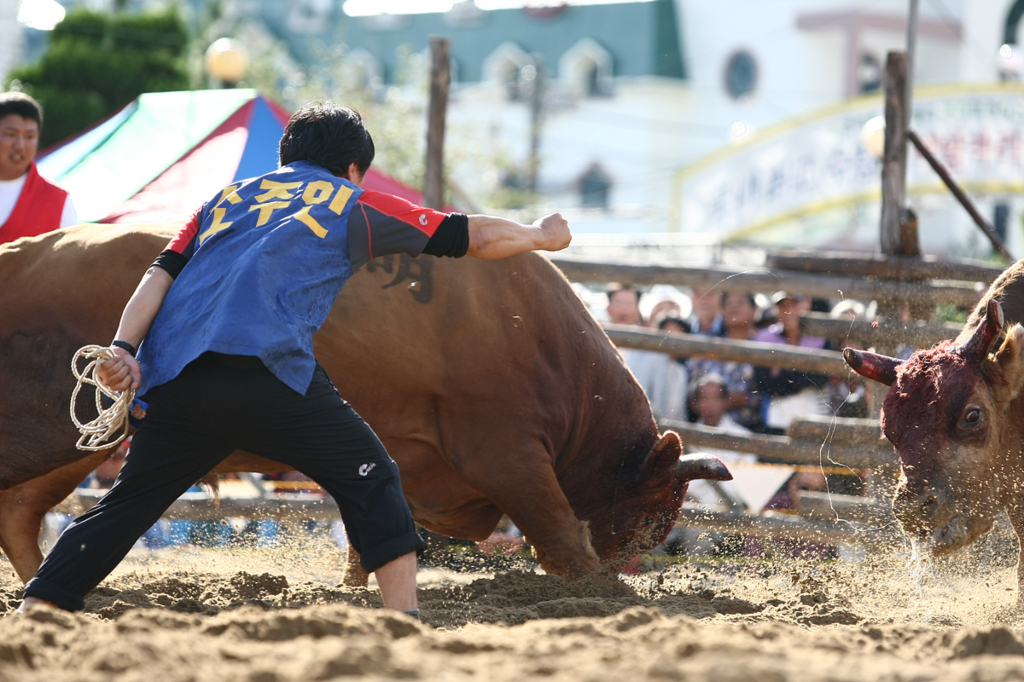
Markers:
{"x": 165, "y": 154}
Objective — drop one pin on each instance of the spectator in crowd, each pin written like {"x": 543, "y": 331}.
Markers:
{"x": 661, "y": 310}
{"x": 788, "y": 495}
{"x": 29, "y": 204}
{"x": 710, "y": 398}
{"x": 624, "y": 304}
{"x": 673, "y": 324}
{"x": 669, "y": 392}
{"x": 848, "y": 309}
{"x": 663, "y": 379}
{"x": 665, "y": 300}
{"x": 789, "y": 393}
{"x": 739, "y": 313}
{"x": 847, "y": 396}
{"x": 666, "y": 379}
{"x": 707, "y": 313}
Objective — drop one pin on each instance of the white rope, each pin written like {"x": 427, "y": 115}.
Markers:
{"x": 96, "y": 434}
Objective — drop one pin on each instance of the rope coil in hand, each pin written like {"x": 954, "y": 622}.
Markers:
{"x": 110, "y": 420}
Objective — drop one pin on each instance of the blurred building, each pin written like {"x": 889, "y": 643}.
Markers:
{"x": 640, "y": 96}
{"x": 612, "y": 79}
{"x": 662, "y": 115}
{"x": 796, "y": 78}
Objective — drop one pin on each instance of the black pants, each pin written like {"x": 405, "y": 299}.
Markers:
{"x": 196, "y": 420}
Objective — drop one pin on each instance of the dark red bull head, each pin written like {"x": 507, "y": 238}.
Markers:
{"x": 948, "y": 416}
{"x": 646, "y": 501}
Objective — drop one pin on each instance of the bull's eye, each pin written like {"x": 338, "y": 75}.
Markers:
{"x": 972, "y": 417}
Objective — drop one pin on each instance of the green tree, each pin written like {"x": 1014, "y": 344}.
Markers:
{"x": 97, "y": 63}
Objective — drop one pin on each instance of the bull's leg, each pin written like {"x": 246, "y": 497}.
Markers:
{"x": 355, "y": 574}
{"x": 529, "y": 493}
{"x": 22, "y": 509}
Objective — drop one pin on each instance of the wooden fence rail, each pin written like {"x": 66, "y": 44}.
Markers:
{"x": 900, "y": 268}
{"x": 917, "y": 334}
{"x": 839, "y": 430}
{"x": 782, "y": 449}
{"x": 203, "y": 506}
{"x": 824, "y": 506}
{"x": 963, "y": 294}
{"x": 760, "y": 354}
{"x": 793, "y": 527}
{"x": 827, "y": 441}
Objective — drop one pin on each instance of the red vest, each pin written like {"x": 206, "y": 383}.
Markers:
{"x": 38, "y": 210}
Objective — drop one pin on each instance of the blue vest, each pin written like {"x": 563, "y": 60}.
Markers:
{"x": 270, "y": 257}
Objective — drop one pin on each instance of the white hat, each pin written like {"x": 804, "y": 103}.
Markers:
{"x": 665, "y": 292}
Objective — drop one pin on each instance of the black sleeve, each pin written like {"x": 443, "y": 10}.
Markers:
{"x": 451, "y": 238}
{"x": 172, "y": 262}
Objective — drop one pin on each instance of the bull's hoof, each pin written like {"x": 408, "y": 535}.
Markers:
{"x": 589, "y": 567}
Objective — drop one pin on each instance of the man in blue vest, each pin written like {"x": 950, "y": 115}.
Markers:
{"x": 225, "y": 355}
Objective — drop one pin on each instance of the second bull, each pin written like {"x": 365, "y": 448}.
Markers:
{"x": 956, "y": 419}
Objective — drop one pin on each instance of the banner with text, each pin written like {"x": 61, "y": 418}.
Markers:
{"x": 819, "y": 162}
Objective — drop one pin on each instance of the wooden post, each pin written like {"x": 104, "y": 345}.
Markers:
{"x": 997, "y": 243}
{"x": 899, "y": 226}
{"x": 898, "y": 229}
{"x": 440, "y": 79}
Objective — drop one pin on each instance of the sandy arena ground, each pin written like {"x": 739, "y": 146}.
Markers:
{"x": 262, "y": 615}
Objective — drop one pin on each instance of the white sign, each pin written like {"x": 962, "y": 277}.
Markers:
{"x": 818, "y": 162}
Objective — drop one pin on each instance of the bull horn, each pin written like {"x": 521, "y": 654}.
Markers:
{"x": 986, "y": 334}
{"x": 701, "y": 465}
{"x": 881, "y": 368}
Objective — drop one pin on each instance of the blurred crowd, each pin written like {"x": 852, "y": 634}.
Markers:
{"x": 741, "y": 398}
{"x": 756, "y": 399}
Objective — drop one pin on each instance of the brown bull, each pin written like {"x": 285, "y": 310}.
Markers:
{"x": 488, "y": 382}
{"x": 954, "y": 417}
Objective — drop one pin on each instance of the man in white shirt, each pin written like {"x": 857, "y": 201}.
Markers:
{"x": 662, "y": 378}
{"x": 710, "y": 396}
{"x": 29, "y": 204}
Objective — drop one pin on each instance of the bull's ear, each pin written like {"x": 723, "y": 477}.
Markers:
{"x": 1010, "y": 357}
{"x": 662, "y": 456}
{"x": 987, "y": 333}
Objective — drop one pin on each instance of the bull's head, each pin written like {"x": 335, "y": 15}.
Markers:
{"x": 647, "y": 500}
{"x": 947, "y": 414}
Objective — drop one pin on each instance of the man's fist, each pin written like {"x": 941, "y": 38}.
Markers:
{"x": 120, "y": 372}
{"x": 555, "y": 229}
